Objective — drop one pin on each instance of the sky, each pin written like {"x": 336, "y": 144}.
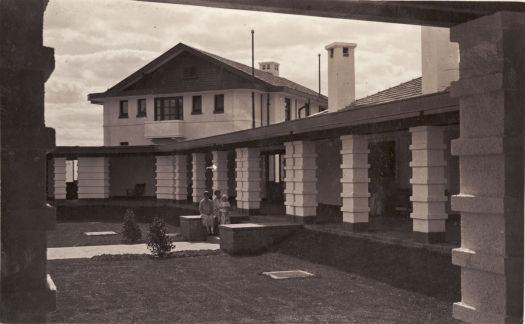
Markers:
{"x": 100, "y": 42}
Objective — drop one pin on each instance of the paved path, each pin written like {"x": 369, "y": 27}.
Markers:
{"x": 81, "y": 252}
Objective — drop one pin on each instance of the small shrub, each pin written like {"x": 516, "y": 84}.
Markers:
{"x": 159, "y": 243}
{"x": 130, "y": 228}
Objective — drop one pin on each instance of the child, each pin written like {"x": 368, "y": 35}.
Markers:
{"x": 224, "y": 210}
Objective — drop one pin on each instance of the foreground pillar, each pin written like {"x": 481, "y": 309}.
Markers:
{"x": 355, "y": 195}
{"x": 220, "y": 174}
{"x": 59, "y": 178}
{"x": 248, "y": 178}
{"x": 301, "y": 181}
{"x": 491, "y": 92}
{"x": 180, "y": 188}
{"x": 93, "y": 178}
{"x": 165, "y": 177}
{"x": 198, "y": 163}
{"x": 27, "y": 292}
{"x": 428, "y": 184}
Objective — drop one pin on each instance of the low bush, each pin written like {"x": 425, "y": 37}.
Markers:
{"x": 159, "y": 243}
{"x": 130, "y": 228}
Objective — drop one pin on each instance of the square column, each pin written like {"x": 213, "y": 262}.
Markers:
{"x": 93, "y": 177}
{"x": 428, "y": 184}
{"x": 301, "y": 181}
{"x": 59, "y": 165}
{"x": 355, "y": 195}
{"x": 491, "y": 92}
{"x": 165, "y": 177}
{"x": 198, "y": 162}
{"x": 248, "y": 178}
{"x": 180, "y": 184}
{"x": 220, "y": 174}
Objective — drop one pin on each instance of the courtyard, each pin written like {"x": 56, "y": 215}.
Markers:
{"x": 222, "y": 288}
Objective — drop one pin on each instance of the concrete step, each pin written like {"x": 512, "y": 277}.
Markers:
{"x": 252, "y": 238}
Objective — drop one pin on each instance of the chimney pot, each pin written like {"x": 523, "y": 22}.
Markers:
{"x": 341, "y": 75}
{"x": 270, "y": 67}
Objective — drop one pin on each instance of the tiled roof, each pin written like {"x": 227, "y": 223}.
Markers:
{"x": 404, "y": 90}
{"x": 262, "y": 75}
{"x": 265, "y": 77}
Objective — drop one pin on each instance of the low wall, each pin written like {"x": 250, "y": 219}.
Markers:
{"x": 102, "y": 212}
{"x": 416, "y": 269}
{"x": 249, "y": 238}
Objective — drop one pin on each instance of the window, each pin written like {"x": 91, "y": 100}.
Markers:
{"x": 169, "y": 108}
{"x": 123, "y": 109}
{"x": 287, "y": 109}
{"x": 196, "y": 105}
{"x": 124, "y": 143}
{"x": 331, "y": 52}
{"x": 141, "y": 108}
{"x": 219, "y": 104}
{"x": 189, "y": 73}
{"x": 345, "y": 51}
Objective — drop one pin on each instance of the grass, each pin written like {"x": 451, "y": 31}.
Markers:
{"x": 72, "y": 233}
{"x": 224, "y": 289}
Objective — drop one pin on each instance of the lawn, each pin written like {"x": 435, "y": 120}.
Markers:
{"x": 222, "y": 288}
{"x": 72, "y": 233}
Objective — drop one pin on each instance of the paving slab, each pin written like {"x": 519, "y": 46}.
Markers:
{"x": 82, "y": 252}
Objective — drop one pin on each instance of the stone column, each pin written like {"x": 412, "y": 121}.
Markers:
{"x": 301, "y": 181}
{"x": 198, "y": 163}
{"x": 59, "y": 178}
{"x": 220, "y": 174}
{"x": 93, "y": 177}
{"x": 27, "y": 292}
{"x": 180, "y": 189}
{"x": 355, "y": 195}
{"x": 165, "y": 177}
{"x": 491, "y": 92}
{"x": 248, "y": 178}
{"x": 428, "y": 184}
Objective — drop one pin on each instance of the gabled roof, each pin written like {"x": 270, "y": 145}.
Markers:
{"x": 404, "y": 90}
{"x": 274, "y": 83}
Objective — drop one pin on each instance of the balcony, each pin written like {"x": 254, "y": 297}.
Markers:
{"x": 164, "y": 129}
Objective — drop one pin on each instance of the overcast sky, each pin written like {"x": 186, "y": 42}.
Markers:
{"x": 99, "y": 42}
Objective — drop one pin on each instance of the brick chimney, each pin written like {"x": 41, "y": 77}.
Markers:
{"x": 439, "y": 59}
{"x": 341, "y": 75}
{"x": 270, "y": 66}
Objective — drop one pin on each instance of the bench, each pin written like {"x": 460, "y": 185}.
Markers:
{"x": 192, "y": 229}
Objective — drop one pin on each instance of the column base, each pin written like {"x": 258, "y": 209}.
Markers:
{"x": 356, "y": 227}
{"x": 429, "y": 238}
{"x": 301, "y": 219}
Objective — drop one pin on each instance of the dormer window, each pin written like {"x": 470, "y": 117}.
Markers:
{"x": 189, "y": 73}
{"x": 345, "y": 51}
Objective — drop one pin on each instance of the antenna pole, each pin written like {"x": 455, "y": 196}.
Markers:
{"x": 319, "y": 71}
{"x": 253, "y": 76}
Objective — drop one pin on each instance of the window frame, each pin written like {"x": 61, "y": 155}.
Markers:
{"x": 144, "y": 113}
{"x": 193, "y": 105}
{"x": 215, "y": 106}
{"x": 173, "y": 111}
{"x": 121, "y": 113}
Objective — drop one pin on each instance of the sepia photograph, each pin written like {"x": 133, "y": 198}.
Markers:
{"x": 262, "y": 161}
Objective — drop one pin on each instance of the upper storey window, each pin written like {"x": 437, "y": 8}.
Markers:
{"x": 169, "y": 108}
{"x": 196, "y": 105}
{"x": 123, "y": 109}
{"x": 219, "y": 104}
{"x": 287, "y": 109}
{"x": 141, "y": 108}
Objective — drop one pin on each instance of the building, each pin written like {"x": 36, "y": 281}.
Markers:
{"x": 187, "y": 93}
